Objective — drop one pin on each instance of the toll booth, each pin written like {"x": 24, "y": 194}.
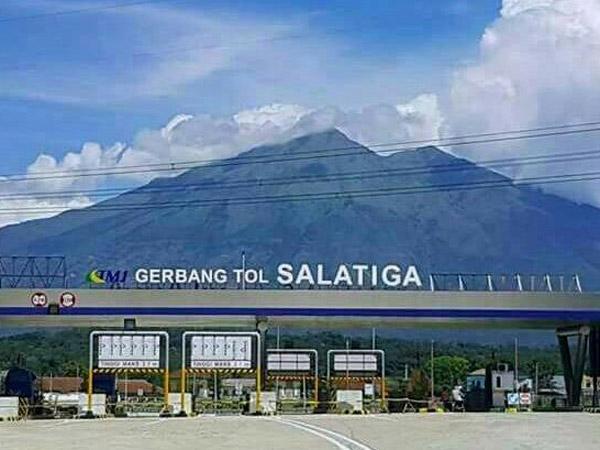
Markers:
{"x": 479, "y": 394}
{"x": 222, "y": 371}
{"x": 356, "y": 381}
{"x": 127, "y": 366}
{"x": 293, "y": 374}
{"x": 105, "y": 383}
{"x": 19, "y": 382}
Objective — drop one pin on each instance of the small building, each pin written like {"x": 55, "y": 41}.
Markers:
{"x": 553, "y": 396}
{"x": 60, "y": 385}
{"x": 557, "y": 384}
{"x": 587, "y": 391}
{"x": 137, "y": 387}
{"x": 501, "y": 382}
{"x": 587, "y": 384}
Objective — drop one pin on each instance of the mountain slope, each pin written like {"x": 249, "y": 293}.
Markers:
{"x": 507, "y": 230}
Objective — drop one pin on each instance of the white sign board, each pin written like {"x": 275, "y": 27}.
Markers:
{"x": 221, "y": 352}
{"x": 175, "y": 403}
{"x": 98, "y": 404}
{"x": 268, "y": 402}
{"x": 352, "y": 398}
{"x": 355, "y": 362}
{"x": 288, "y": 362}
{"x": 9, "y": 407}
{"x": 140, "y": 351}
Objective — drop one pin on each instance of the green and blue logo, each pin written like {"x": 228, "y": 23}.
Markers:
{"x": 99, "y": 277}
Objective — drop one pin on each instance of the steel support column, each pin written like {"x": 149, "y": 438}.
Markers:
{"x": 573, "y": 370}
{"x": 579, "y": 367}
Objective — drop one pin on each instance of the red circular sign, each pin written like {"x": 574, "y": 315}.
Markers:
{"x": 39, "y": 299}
{"x": 68, "y": 300}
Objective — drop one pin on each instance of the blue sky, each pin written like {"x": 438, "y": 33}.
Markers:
{"x": 186, "y": 80}
{"x": 69, "y": 79}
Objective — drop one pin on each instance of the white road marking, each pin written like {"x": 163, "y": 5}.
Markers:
{"x": 154, "y": 422}
{"x": 60, "y": 424}
{"x": 339, "y": 445}
{"x": 385, "y": 418}
{"x": 353, "y": 442}
{"x": 340, "y": 440}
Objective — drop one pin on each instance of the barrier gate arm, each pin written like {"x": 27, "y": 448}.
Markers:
{"x": 93, "y": 334}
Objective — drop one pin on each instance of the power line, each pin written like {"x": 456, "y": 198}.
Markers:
{"x": 91, "y": 9}
{"x": 318, "y": 178}
{"x": 330, "y": 195}
{"x": 316, "y": 154}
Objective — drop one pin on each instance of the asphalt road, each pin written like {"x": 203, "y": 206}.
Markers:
{"x": 376, "y": 432}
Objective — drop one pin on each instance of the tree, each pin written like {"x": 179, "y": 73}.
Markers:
{"x": 418, "y": 385}
{"x": 448, "y": 371}
{"x": 547, "y": 368}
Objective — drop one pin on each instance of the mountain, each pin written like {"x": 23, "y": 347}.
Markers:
{"x": 504, "y": 230}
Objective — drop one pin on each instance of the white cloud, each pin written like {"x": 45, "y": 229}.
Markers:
{"x": 539, "y": 64}
{"x": 205, "y": 137}
{"x": 167, "y": 130}
{"x": 33, "y": 208}
{"x": 278, "y": 115}
{"x": 46, "y": 175}
{"x": 418, "y": 119}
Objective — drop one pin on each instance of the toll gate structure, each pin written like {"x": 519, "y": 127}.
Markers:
{"x": 574, "y": 315}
